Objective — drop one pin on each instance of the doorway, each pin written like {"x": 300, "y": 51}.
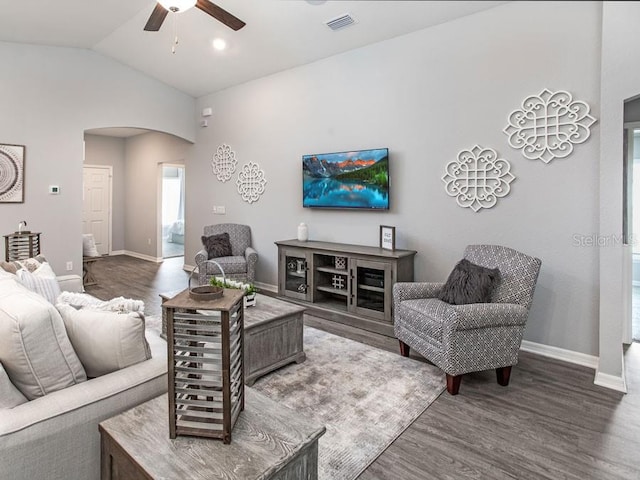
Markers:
{"x": 96, "y": 205}
{"x": 631, "y": 221}
{"x": 172, "y": 210}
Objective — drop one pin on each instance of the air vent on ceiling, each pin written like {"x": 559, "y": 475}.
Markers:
{"x": 340, "y": 22}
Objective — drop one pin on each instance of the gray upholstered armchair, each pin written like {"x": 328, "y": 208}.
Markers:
{"x": 469, "y": 338}
{"x": 240, "y": 265}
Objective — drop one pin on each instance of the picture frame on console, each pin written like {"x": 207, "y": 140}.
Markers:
{"x": 387, "y": 237}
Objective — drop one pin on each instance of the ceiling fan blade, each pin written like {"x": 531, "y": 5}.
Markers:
{"x": 155, "y": 20}
{"x": 234, "y": 23}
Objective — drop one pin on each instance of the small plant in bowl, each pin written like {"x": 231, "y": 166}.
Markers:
{"x": 249, "y": 288}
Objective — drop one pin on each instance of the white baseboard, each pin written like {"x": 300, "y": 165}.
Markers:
{"x": 188, "y": 268}
{"x": 117, "y": 252}
{"x": 611, "y": 381}
{"x": 266, "y": 286}
{"x": 142, "y": 256}
{"x": 601, "y": 379}
{"x": 570, "y": 356}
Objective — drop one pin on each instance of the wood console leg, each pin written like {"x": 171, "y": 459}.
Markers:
{"x": 503, "y": 374}
{"x": 404, "y": 349}
{"x": 453, "y": 383}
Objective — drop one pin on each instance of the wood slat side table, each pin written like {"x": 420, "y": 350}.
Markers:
{"x": 19, "y": 246}
{"x": 270, "y": 442}
{"x": 88, "y": 277}
{"x": 205, "y": 341}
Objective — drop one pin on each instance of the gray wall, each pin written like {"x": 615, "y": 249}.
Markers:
{"x": 49, "y": 97}
{"x": 102, "y": 150}
{"x": 144, "y": 156}
{"x": 632, "y": 110}
{"x": 620, "y": 80}
{"x": 426, "y": 96}
{"x": 136, "y": 197}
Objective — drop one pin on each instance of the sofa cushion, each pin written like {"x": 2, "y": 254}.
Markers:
{"x": 217, "y": 245}
{"x": 34, "y": 347}
{"x": 42, "y": 281}
{"x": 10, "y": 396}
{"x": 105, "y": 341}
{"x": 229, "y": 265}
{"x": 469, "y": 283}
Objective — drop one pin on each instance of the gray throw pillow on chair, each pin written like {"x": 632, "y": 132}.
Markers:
{"x": 469, "y": 283}
{"x": 217, "y": 245}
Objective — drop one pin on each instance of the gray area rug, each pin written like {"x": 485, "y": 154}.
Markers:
{"x": 364, "y": 396}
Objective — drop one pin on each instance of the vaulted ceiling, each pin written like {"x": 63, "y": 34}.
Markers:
{"x": 280, "y": 34}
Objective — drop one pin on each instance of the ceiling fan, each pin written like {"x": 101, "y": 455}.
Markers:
{"x": 163, "y": 7}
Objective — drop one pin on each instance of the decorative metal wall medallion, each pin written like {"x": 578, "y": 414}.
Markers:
{"x": 224, "y": 163}
{"x": 478, "y": 178}
{"x": 251, "y": 182}
{"x": 549, "y": 125}
{"x": 12, "y": 173}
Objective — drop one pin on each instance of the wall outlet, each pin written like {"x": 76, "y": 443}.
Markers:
{"x": 69, "y": 266}
{"x": 148, "y": 241}
{"x": 219, "y": 210}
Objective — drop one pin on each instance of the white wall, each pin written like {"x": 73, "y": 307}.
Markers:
{"x": 109, "y": 151}
{"x": 143, "y": 221}
{"x": 426, "y": 96}
{"x": 49, "y": 97}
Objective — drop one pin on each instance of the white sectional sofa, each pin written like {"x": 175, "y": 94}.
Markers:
{"x": 56, "y": 436}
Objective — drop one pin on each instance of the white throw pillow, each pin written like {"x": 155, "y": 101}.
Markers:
{"x": 10, "y": 396}
{"x": 34, "y": 347}
{"x": 105, "y": 341}
{"x": 89, "y": 246}
{"x": 118, "y": 304}
{"x": 42, "y": 281}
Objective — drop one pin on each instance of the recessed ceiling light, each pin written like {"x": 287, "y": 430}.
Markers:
{"x": 219, "y": 44}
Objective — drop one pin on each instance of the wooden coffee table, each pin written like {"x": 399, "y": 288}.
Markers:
{"x": 272, "y": 335}
{"x": 270, "y": 442}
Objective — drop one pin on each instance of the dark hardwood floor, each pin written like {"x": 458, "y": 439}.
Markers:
{"x": 551, "y": 422}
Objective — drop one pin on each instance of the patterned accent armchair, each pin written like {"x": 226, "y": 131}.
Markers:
{"x": 469, "y": 338}
{"x": 241, "y": 265}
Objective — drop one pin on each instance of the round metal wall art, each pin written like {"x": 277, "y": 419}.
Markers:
{"x": 251, "y": 182}
{"x": 478, "y": 178}
{"x": 11, "y": 173}
{"x": 549, "y": 125}
{"x": 224, "y": 163}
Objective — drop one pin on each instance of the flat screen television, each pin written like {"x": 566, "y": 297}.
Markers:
{"x": 358, "y": 179}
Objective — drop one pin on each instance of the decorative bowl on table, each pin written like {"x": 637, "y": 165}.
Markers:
{"x": 205, "y": 292}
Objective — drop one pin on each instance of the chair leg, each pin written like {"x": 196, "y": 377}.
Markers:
{"x": 404, "y": 349}
{"x": 453, "y": 383}
{"x": 503, "y": 374}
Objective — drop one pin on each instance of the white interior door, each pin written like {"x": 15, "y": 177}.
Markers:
{"x": 96, "y": 210}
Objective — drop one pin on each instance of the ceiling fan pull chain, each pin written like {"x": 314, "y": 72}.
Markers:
{"x": 175, "y": 33}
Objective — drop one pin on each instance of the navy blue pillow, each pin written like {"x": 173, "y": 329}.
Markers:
{"x": 469, "y": 283}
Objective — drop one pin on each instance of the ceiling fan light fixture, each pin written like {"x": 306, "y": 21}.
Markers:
{"x": 177, "y": 5}
{"x": 219, "y": 44}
